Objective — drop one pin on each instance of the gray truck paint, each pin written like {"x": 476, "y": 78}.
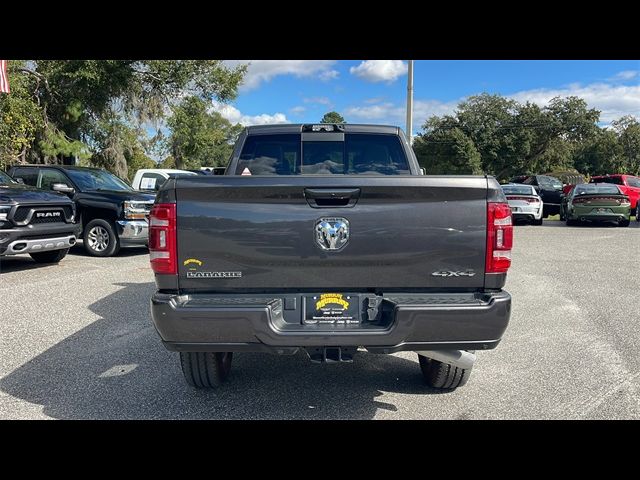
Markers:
{"x": 253, "y": 239}
{"x": 403, "y": 228}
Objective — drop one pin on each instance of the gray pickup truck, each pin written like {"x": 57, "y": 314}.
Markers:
{"x": 328, "y": 238}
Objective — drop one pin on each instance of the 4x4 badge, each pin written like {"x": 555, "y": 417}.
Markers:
{"x": 449, "y": 273}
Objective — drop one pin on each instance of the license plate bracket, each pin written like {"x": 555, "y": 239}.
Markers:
{"x": 332, "y": 309}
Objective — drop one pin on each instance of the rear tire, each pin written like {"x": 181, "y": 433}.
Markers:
{"x": 54, "y": 256}
{"x": 537, "y": 222}
{"x": 571, "y": 223}
{"x": 206, "y": 369}
{"x": 623, "y": 223}
{"x": 442, "y": 375}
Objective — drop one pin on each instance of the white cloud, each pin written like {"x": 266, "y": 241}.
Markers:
{"x": 264, "y": 70}
{"x": 380, "y": 70}
{"x": 298, "y": 110}
{"x": 234, "y": 115}
{"x": 373, "y": 112}
{"x": 625, "y": 75}
{"x": 319, "y": 100}
{"x": 613, "y": 101}
{"x": 396, "y": 114}
{"x": 328, "y": 75}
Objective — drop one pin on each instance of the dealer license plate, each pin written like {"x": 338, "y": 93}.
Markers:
{"x": 332, "y": 308}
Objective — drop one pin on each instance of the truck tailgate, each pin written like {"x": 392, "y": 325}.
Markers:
{"x": 258, "y": 233}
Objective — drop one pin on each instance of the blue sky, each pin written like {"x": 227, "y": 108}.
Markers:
{"x": 374, "y": 91}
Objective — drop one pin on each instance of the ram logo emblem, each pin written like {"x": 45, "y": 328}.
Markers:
{"x": 332, "y": 233}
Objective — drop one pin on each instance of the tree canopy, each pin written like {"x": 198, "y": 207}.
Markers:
{"x": 100, "y": 111}
{"x": 332, "y": 117}
{"x": 503, "y": 137}
{"x": 199, "y": 137}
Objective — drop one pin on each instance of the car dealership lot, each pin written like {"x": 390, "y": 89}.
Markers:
{"x": 77, "y": 342}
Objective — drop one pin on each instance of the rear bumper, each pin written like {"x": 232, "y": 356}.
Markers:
{"x": 233, "y": 323}
{"x": 527, "y": 212}
{"x": 588, "y": 214}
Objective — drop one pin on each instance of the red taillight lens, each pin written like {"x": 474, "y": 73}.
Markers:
{"x": 499, "y": 237}
{"x": 162, "y": 239}
{"x": 526, "y": 199}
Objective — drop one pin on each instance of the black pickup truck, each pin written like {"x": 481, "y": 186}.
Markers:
{"x": 327, "y": 238}
{"x": 36, "y": 222}
{"x": 112, "y": 214}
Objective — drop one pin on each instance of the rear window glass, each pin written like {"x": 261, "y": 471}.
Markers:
{"x": 287, "y": 154}
{"x": 518, "y": 190}
{"x": 595, "y": 189}
{"x": 633, "y": 181}
{"x": 614, "y": 180}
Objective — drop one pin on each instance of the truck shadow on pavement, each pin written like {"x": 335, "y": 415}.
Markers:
{"x": 116, "y": 368}
{"x": 78, "y": 249}
{"x": 16, "y": 263}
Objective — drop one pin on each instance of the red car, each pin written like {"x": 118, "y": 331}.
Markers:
{"x": 629, "y": 184}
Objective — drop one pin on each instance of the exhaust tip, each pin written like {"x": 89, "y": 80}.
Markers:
{"x": 72, "y": 241}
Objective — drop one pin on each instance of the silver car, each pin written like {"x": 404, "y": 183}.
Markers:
{"x": 524, "y": 201}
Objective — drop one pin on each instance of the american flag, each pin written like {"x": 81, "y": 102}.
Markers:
{"x": 4, "y": 79}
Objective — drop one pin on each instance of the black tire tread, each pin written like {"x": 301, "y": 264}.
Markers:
{"x": 442, "y": 375}
{"x": 203, "y": 369}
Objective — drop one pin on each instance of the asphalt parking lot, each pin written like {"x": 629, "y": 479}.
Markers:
{"x": 77, "y": 343}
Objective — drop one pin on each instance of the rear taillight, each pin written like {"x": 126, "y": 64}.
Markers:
{"x": 526, "y": 199}
{"x": 162, "y": 239}
{"x": 499, "y": 238}
{"x": 625, "y": 202}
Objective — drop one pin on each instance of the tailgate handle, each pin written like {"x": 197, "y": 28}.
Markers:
{"x": 331, "y": 197}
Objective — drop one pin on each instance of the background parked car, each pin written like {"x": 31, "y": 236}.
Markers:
{"x": 112, "y": 214}
{"x": 569, "y": 180}
{"x": 596, "y": 202}
{"x": 549, "y": 188}
{"x": 151, "y": 179}
{"x": 628, "y": 184}
{"x": 525, "y": 202}
{"x": 36, "y": 222}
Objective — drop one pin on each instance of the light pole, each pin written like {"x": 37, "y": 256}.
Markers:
{"x": 410, "y": 103}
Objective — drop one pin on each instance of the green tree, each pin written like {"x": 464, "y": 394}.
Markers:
{"x": 20, "y": 118}
{"x": 447, "y": 152}
{"x": 511, "y": 137}
{"x": 85, "y": 107}
{"x": 136, "y": 160}
{"x": 332, "y": 117}
{"x": 628, "y": 130}
{"x": 200, "y": 137}
{"x": 601, "y": 154}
